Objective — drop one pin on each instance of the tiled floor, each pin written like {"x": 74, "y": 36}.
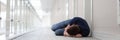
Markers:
{"x": 47, "y": 34}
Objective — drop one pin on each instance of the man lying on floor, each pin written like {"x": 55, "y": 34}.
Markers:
{"x": 76, "y": 27}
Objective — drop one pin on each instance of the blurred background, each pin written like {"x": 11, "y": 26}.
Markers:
{"x": 27, "y": 19}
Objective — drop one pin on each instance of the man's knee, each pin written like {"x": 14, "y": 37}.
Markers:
{"x": 58, "y": 26}
{"x": 53, "y": 27}
{"x": 59, "y": 32}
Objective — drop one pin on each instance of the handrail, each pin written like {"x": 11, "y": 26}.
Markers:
{"x": 33, "y": 9}
{"x": 20, "y": 19}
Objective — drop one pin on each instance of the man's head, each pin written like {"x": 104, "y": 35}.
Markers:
{"x": 73, "y": 30}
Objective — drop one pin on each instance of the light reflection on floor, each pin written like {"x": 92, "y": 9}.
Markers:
{"x": 2, "y": 37}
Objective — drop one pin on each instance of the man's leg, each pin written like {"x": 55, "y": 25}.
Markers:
{"x": 60, "y": 25}
{"x": 59, "y": 32}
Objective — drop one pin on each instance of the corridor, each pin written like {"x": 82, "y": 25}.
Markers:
{"x": 32, "y": 19}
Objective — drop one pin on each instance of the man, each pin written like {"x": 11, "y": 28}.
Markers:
{"x": 76, "y": 27}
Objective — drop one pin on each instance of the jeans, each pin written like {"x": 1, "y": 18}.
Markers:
{"x": 59, "y": 27}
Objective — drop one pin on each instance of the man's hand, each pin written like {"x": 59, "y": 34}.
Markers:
{"x": 66, "y": 34}
{"x": 68, "y": 26}
{"x": 78, "y": 35}
{"x": 65, "y": 31}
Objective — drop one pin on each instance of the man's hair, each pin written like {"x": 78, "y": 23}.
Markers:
{"x": 73, "y": 30}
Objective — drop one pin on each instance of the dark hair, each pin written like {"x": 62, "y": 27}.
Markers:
{"x": 73, "y": 30}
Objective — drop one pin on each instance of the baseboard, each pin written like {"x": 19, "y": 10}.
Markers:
{"x": 106, "y": 36}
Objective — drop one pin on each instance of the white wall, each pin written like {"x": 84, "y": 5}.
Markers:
{"x": 47, "y": 5}
{"x": 105, "y": 18}
{"x": 119, "y": 20}
{"x": 119, "y": 13}
{"x": 75, "y": 8}
{"x": 58, "y": 11}
{"x": 2, "y": 7}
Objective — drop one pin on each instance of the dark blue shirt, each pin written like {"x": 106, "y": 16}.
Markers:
{"x": 84, "y": 28}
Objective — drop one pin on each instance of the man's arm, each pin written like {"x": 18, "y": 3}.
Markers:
{"x": 65, "y": 31}
{"x": 66, "y": 34}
